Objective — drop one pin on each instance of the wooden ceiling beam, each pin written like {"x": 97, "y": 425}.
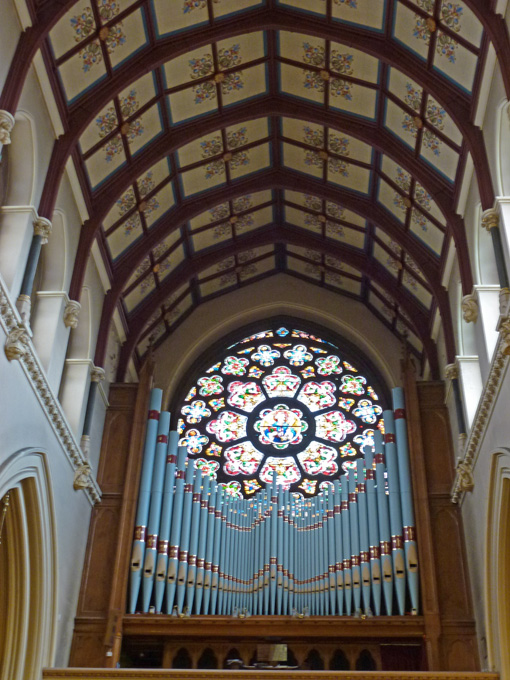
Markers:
{"x": 194, "y": 266}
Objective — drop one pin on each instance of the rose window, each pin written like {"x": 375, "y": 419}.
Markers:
{"x": 281, "y": 401}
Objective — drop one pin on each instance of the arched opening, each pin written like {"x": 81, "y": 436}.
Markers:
{"x": 182, "y": 659}
{"x": 207, "y": 659}
{"x": 232, "y": 655}
{"x": 314, "y": 661}
{"x": 498, "y": 564}
{"x": 27, "y": 603}
{"x": 339, "y": 662}
{"x": 365, "y": 661}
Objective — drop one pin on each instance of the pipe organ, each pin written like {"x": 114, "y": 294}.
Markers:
{"x": 349, "y": 550}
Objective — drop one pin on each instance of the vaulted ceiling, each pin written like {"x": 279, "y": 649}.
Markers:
{"x": 221, "y": 141}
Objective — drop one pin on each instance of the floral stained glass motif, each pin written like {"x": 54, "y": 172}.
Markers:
{"x": 245, "y": 395}
{"x": 195, "y": 411}
{"x": 263, "y": 410}
{"x": 228, "y": 427}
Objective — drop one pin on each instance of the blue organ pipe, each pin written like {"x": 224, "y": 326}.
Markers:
{"x": 273, "y": 546}
{"x": 384, "y": 523}
{"x": 404, "y": 473}
{"x": 324, "y": 554}
{"x": 211, "y": 526}
{"x": 373, "y": 533}
{"x": 364, "y": 546}
{"x": 312, "y": 600}
{"x": 267, "y": 549}
{"x": 197, "y": 546}
{"x": 346, "y": 542}
{"x": 354, "y": 530}
{"x": 175, "y": 532}
{"x": 217, "y": 548}
{"x": 225, "y": 519}
{"x": 202, "y": 539}
{"x": 158, "y": 478}
{"x": 397, "y": 543}
{"x": 142, "y": 510}
{"x": 292, "y": 536}
{"x": 331, "y": 551}
{"x": 256, "y": 554}
{"x": 182, "y": 568}
{"x": 339, "y": 566}
{"x": 286, "y": 551}
{"x": 166, "y": 516}
{"x": 280, "y": 551}
{"x": 232, "y": 557}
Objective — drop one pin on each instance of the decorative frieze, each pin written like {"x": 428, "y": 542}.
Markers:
{"x": 483, "y": 413}
{"x": 469, "y": 306}
{"x": 71, "y": 314}
{"x": 6, "y": 124}
{"x": 20, "y": 343}
{"x": 465, "y": 475}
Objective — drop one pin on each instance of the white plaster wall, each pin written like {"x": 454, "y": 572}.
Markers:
{"x": 10, "y": 30}
{"x": 280, "y": 294}
{"x": 23, "y": 425}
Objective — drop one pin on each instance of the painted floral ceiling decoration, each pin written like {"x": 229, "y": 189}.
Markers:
{"x": 219, "y": 142}
{"x": 280, "y": 401}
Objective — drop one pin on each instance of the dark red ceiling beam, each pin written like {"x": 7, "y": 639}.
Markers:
{"x": 277, "y": 235}
{"x": 283, "y": 179}
{"x": 448, "y": 95}
{"x": 378, "y": 138}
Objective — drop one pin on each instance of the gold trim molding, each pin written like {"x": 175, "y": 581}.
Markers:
{"x": 135, "y": 674}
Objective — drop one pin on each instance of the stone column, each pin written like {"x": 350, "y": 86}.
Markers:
{"x": 97, "y": 375}
{"x": 54, "y": 316}
{"x": 490, "y": 222}
{"x": 452, "y": 374}
{"x": 42, "y": 231}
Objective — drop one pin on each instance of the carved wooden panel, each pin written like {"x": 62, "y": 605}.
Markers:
{"x": 97, "y": 571}
{"x": 87, "y": 650}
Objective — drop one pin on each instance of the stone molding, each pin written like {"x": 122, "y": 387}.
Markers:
{"x": 483, "y": 413}
{"x": 6, "y": 124}
{"x": 72, "y": 314}
{"x": 469, "y": 306}
{"x": 451, "y": 372}
{"x": 29, "y": 361}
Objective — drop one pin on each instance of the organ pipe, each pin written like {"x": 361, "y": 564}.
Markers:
{"x": 351, "y": 549}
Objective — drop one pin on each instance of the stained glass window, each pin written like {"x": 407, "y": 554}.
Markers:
{"x": 281, "y": 400}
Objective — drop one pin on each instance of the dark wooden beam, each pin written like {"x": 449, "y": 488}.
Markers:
{"x": 275, "y": 235}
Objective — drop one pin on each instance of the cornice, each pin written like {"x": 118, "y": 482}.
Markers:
{"x": 481, "y": 420}
{"x": 29, "y": 361}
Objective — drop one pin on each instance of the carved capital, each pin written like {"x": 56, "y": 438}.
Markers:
{"x": 469, "y": 306}
{"x": 71, "y": 314}
{"x": 23, "y": 305}
{"x": 42, "y": 227}
{"x": 6, "y": 124}
{"x": 81, "y": 477}
{"x": 490, "y": 219}
{"x": 451, "y": 372}
{"x": 465, "y": 476}
{"x": 97, "y": 374}
{"x": 16, "y": 344}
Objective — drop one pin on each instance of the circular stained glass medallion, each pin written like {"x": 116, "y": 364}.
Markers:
{"x": 280, "y": 401}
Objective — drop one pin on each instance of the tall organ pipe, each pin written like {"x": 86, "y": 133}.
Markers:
{"x": 158, "y": 478}
{"x": 373, "y": 532}
{"x": 166, "y": 514}
{"x": 384, "y": 523}
{"x": 404, "y": 473}
{"x": 364, "y": 547}
{"x": 142, "y": 510}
